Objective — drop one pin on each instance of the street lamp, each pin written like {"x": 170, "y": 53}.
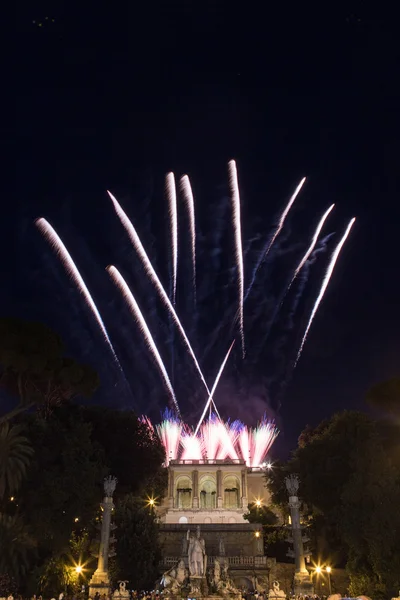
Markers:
{"x": 78, "y": 569}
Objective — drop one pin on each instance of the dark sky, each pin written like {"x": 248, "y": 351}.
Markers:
{"x": 113, "y": 95}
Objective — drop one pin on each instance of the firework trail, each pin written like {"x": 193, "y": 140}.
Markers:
{"x": 173, "y": 215}
{"x": 312, "y": 245}
{"x": 325, "y": 283}
{"x": 136, "y": 312}
{"x": 211, "y": 394}
{"x": 58, "y": 245}
{"x": 189, "y": 201}
{"x": 227, "y": 436}
{"x": 263, "y": 437}
{"x": 281, "y": 223}
{"x": 137, "y": 244}
{"x": 209, "y": 434}
{"x": 192, "y": 447}
{"x": 234, "y": 186}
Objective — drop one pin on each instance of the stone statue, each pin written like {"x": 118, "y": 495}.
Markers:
{"x": 216, "y": 573}
{"x": 109, "y": 486}
{"x": 292, "y": 484}
{"x": 173, "y": 579}
{"x": 197, "y": 554}
{"x": 121, "y": 592}
{"x": 221, "y": 546}
{"x": 276, "y": 592}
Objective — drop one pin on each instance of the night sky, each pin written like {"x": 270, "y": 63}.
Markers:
{"x": 114, "y": 95}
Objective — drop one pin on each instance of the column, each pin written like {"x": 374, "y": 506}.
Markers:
{"x": 294, "y": 505}
{"x": 219, "y": 489}
{"x": 100, "y": 581}
{"x": 195, "y": 485}
{"x": 244, "y": 489}
{"x": 171, "y": 476}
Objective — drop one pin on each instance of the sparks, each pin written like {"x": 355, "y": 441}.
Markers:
{"x": 137, "y": 313}
{"x": 285, "y": 214}
{"x": 325, "y": 283}
{"x": 211, "y": 394}
{"x": 58, "y": 245}
{"x": 137, "y": 244}
{"x": 312, "y": 245}
{"x": 189, "y": 201}
{"x": 173, "y": 215}
{"x": 233, "y": 182}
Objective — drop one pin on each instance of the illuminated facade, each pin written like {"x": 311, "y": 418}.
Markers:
{"x": 211, "y": 491}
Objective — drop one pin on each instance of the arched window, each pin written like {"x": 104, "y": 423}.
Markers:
{"x": 208, "y": 493}
{"x": 207, "y": 520}
{"x": 184, "y": 493}
{"x": 231, "y": 492}
{"x": 182, "y": 520}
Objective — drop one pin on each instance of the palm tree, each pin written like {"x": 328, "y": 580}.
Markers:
{"x": 16, "y": 547}
{"x": 15, "y": 453}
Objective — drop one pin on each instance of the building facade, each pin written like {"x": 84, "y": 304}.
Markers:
{"x": 215, "y": 494}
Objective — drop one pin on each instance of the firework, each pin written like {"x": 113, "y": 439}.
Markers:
{"x": 233, "y": 181}
{"x": 136, "y": 312}
{"x": 324, "y": 285}
{"x": 169, "y": 432}
{"x": 217, "y": 440}
{"x": 189, "y": 201}
{"x": 209, "y": 434}
{"x": 58, "y": 245}
{"x": 135, "y": 240}
{"x": 173, "y": 215}
{"x": 312, "y": 245}
{"x": 211, "y": 394}
{"x": 192, "y": 447}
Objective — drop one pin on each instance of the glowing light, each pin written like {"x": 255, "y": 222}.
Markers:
{"x": 318, "y": 570}
{"x": 151, "y": 502}
{"x": 137, "y": 314}
{"x": 135, "y": 240}
{"x": 268, "y": 466}
{"x": 285, "y": 214}
{"x": 312, "y": 245}
{"x": 76, "y": 519}
{"x": 258, "y": 503}
{"x": 79, "y": 569}
{"x": 169, "y": 431}
{"x": 173, "y": 215}
{"x": 257, "y": 534}
{"x": 324, "y": 285}
{"x": 189, "y": 201}
{"x": 211, "y": 394}
{"x": 12, "y": 499}
{"x": 328, "y": 569}
{"x": 58, "y": 245}
{"x": 233, "y": 181}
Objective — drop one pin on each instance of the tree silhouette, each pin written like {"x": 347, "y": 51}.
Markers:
{"x": 15, "y": 453}
{"x": 35, "y": 371}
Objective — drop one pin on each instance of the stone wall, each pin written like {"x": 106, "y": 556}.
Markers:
{"x": 239, "y": 540}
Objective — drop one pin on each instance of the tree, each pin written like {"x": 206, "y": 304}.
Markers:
{"x": 17, "y": 546}
{"x": 386, "y": 396}
{"x": 35, "y": 370}
{"x": 350, "y": 483}
{"x": 138, "y": 550}
{"x": 133, "y": 452}
{"x": 15, "y": 455}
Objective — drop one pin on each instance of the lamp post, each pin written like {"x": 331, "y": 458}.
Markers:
{"x": 329, "y": 571}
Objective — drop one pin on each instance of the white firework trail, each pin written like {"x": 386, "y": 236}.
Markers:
{"x": 186, "y": 189}
{"x": 324, "y": 285}
{"x": 137, "y": 313}
{"x": 137, "y": 244}
{"x": 173, "y": 215}
{"x": 285, "y": 214}
{"x": 211, "y": 394}
{"x": 312, "y": 245}
{"x": 58, "y": 245}
{"x": 234, "y": 186}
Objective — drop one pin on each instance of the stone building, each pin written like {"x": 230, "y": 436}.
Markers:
{"x": 215, "y": 494}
